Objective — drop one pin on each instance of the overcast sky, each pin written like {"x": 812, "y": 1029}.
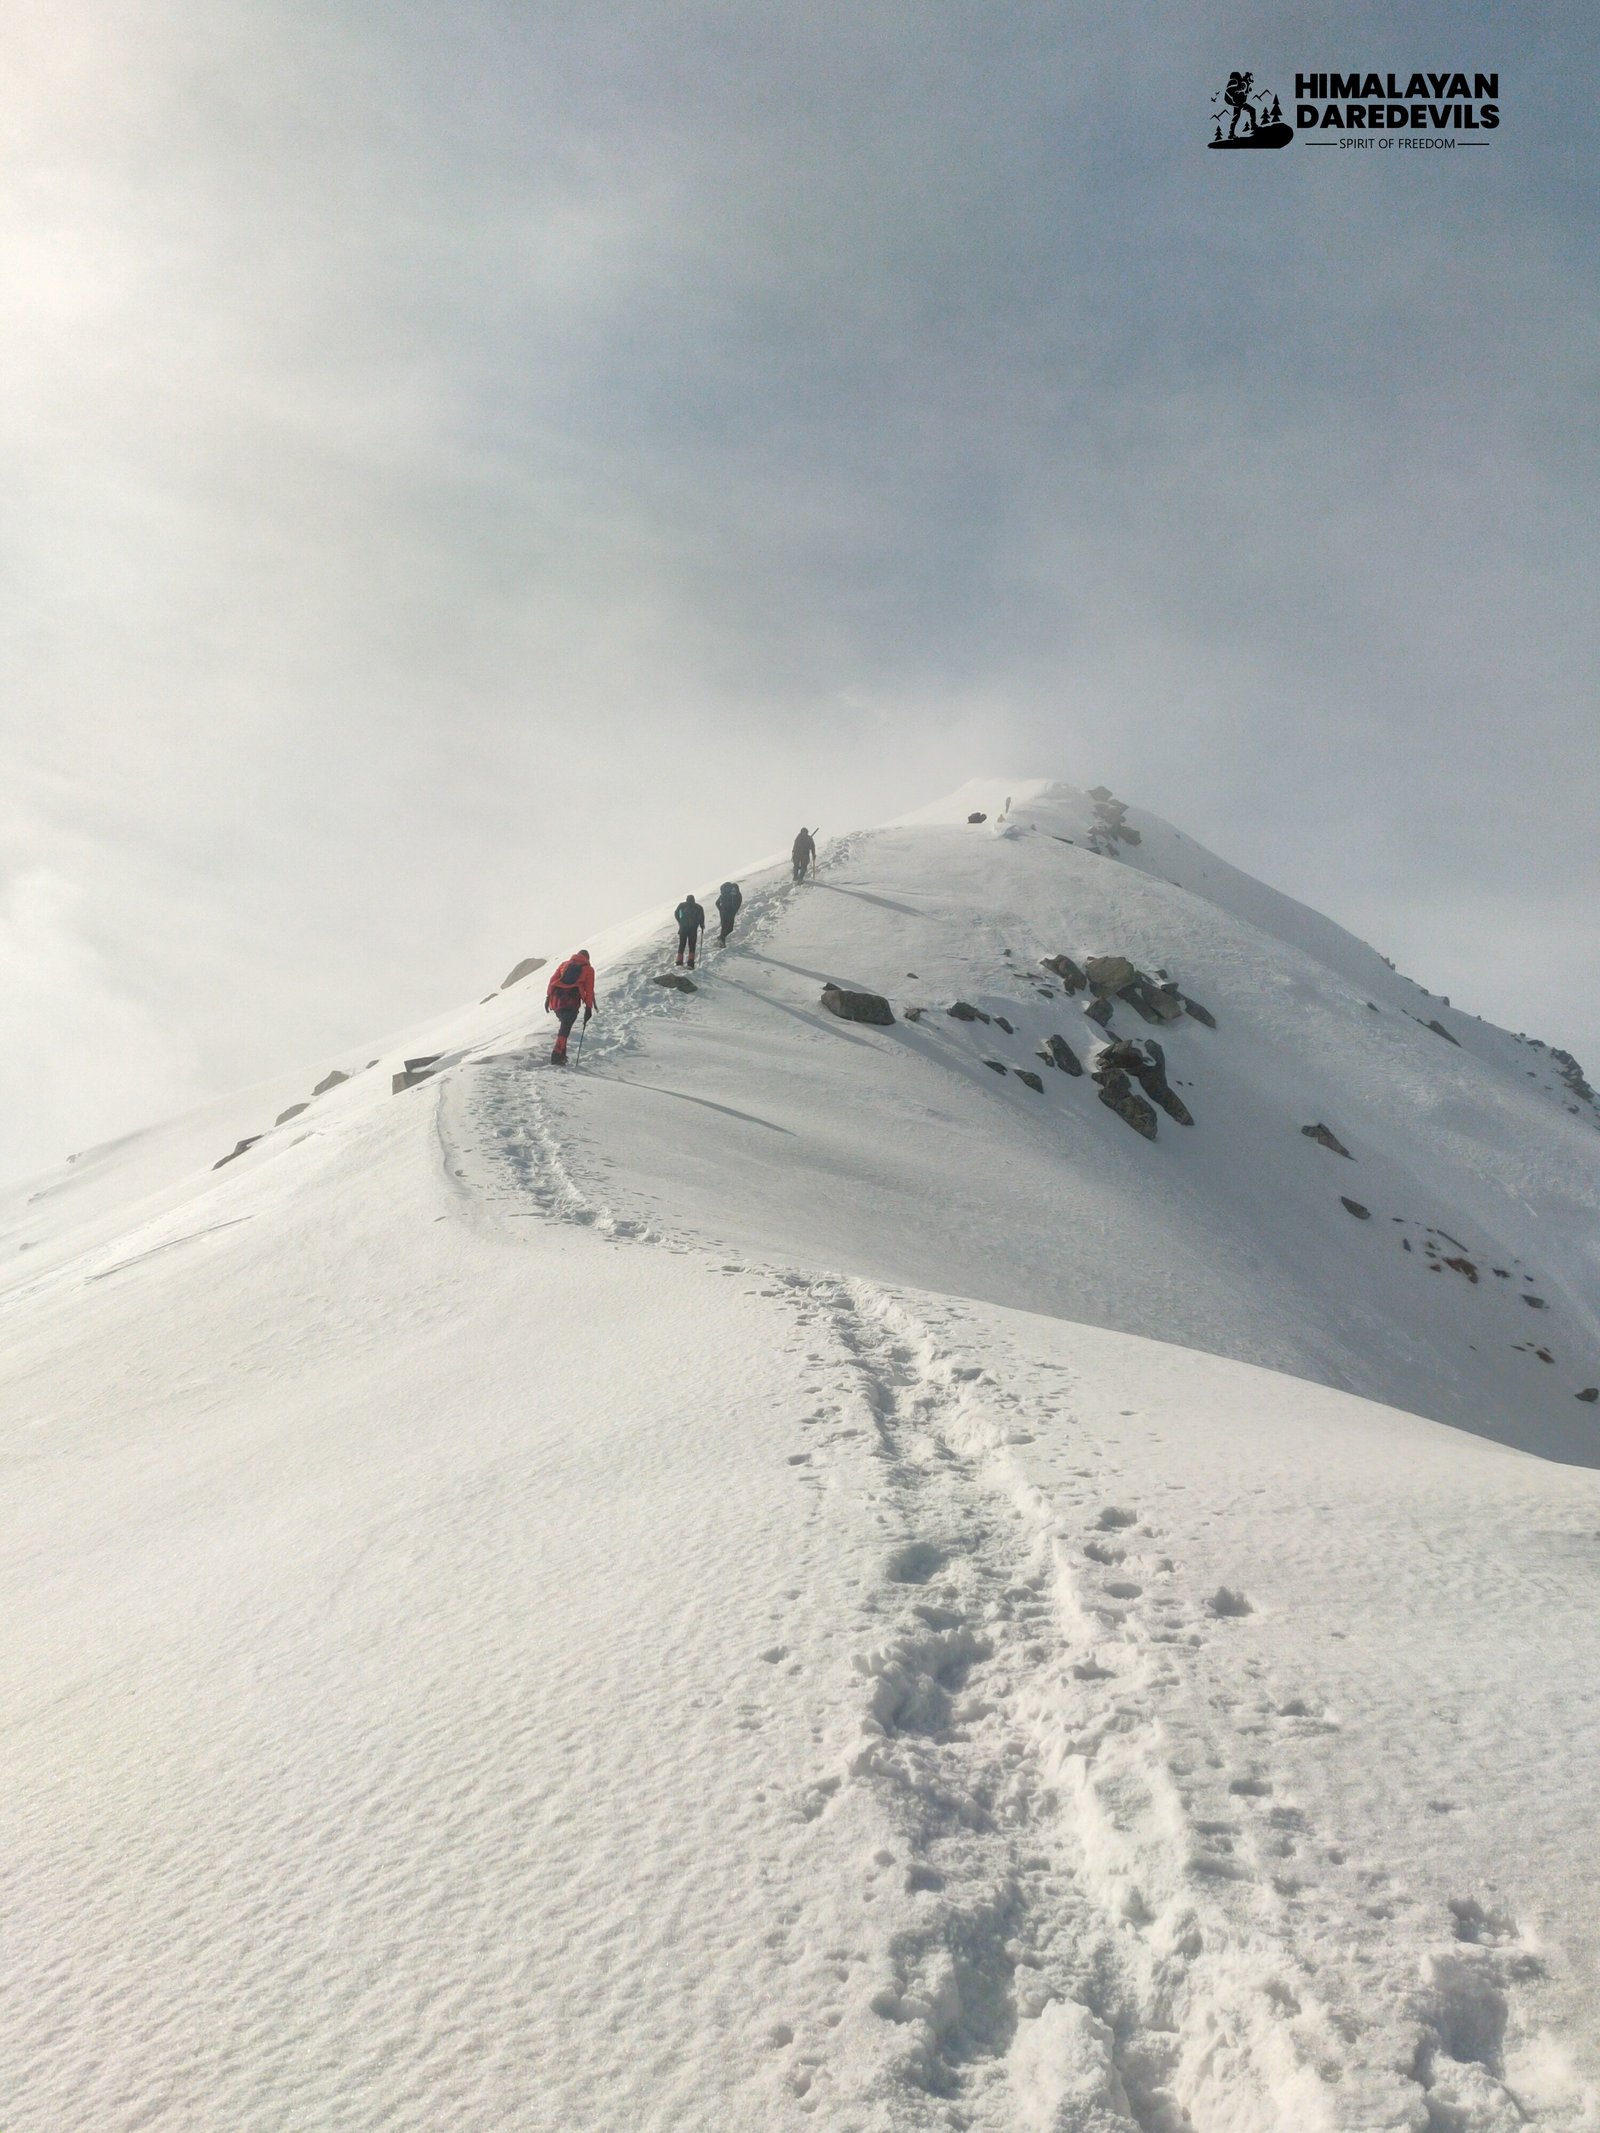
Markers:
{"x": 473, "y": 467}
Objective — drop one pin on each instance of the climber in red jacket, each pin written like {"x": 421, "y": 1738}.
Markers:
{"x": 571, "y": 987}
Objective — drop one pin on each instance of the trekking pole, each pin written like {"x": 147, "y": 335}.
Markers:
{"x": 582, "y": 1030}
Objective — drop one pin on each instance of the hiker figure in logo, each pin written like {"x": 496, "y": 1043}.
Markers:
{"x": 1237, "y": 97}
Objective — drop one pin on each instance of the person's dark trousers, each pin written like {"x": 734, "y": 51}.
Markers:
{"x": 565, "y": 1017}
{"x": 727, "y": 928}
{"x": 686, "y": 948}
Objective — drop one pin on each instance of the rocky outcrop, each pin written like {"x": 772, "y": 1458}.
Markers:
{"x": 525, "y": 969}
{"x": 1354, "y": 1207}
{"x": 1439, "y": 1030}
{"x": 1066, "y": 970}
{"x": 1027, "y": 1075}
{"x": 330, "y": 1081}
{"x": 1591, "y": 1393}
{"x": 857, "y": 1006}
{"x": 1060, "y": 1054}
{"x": 1119, "y": 1095}
{"x": 1109, "y": 826}
{"x": 1000, "y": 1022}
{"x": 675, "y": 980}
{"x": 1147, "y": 1065}
{"x": 980, "y": 817}
{"x": 419, "y": 1069}
{"x": 1202, "y": 1015}
{"x": 964, "y": 1011}
{"x": 1325, "y": 1137}
{"x": 1109, "y": 973}
{"x": 238, "y": 1149}
{"x": 293, "y": 1111}
{"x": 1100, "y": 1012}
{"x": 995, "y": 1066}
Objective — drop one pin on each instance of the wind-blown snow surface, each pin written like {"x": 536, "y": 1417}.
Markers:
{"x": 721, "y": 1591}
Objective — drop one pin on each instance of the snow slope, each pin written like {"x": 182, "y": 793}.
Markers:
{"x": 766, "y": 1582}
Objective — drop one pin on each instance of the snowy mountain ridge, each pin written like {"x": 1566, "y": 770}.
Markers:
{"x": 808, "y": 1572}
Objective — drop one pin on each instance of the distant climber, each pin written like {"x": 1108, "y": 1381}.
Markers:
{"x": 729, "y": 897}
{"x": 804, "y": 853}
{"x": 691, "y": 918}
{"x": 571, "y": 987}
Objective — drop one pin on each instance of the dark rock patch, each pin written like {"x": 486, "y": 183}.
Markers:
{"x": 858, "y": 1006}
{"x": 1027, "y": 1074}
{"x": 525, "y": 969}
{"x": 239, "y": 1149}
{"x": 330, "y": 1081}
{"x": 1000, "y": 1022}
{"x": 1100, "y": 1012}
{"x": 1591, "y": 1393}
{"x": 1202, "y": 1015}
{"x": 964, "y": 1011}
{"x": 1325, "y": 1137}
{"x": 293, "y": 1111}
{"x": 1066, "y": 970}
{"x": 978, "y": 818}
{"x": 1462, "y": 1266}
{"x": 1354, "y": 1207}
{"x": 672, "y": 978}
{"x": 1535, "y": 1303}
{"x": 1060, "y": 1054}
{"x": 1117, "y": 1094}
{"x": 995, "y": 1066}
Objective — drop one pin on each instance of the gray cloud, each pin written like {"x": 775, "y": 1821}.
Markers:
{"x": 471, "y": 470}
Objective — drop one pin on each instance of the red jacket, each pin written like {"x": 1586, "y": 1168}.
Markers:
{"x": 571, "y": 982}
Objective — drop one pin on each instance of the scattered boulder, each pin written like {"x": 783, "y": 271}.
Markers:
{"x": 1060, "y": 1054}
{"x": 407, "y": 1080}
{"x": 1066, "y": 970}
{"x": 1117, "y": 1093}
{"x": 1100, "y": 1012}
{"x": 1201, "y": 1014}
{"x": 964, "y": 1011}
{"x": 995, "y": 1066}
{"x": 1325, "y": 1137}
{"x": 1000, "y": 1022}
{"x": 423, "y": 1061}
{"x": 293, "y": 1111}
{"x": 1225, "y": 1601}
{"x": 1462, "y": 1266}
{"x": 1157, "y": 1003}
{"x": 675, "y": 980}
{"x": 525, "y": 969}
{"x": 1591, "y": 1393}
{"x": 1148, "y": 1067}
{"x": 330, "y": 1081}
{"x": 1109, "y": 973}
{"x": 1544, "y": 1355}
{"x": 1535, "y": 1303}
{"x": 857, "y": 1006}
{"x": 1354, "y": 1207}
{"x": 248, "y": 1142}
{"x": 1439, "y": 1030}
{"x": 1027, "y": 1074}
{"x": 913, "y": 1014}
{"x": 979, "y": 817}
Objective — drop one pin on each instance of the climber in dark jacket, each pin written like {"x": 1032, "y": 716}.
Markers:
{"x": 691, "y": 920}
{"x": 729, "y": 897}
{"x": 804, "y": 853}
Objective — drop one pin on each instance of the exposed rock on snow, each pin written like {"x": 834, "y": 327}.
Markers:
{"x": 675, "y": 981}
{"x": 1060, "y": 1054}
{"x": 1362, "y": 1214}
{"x": 964, "y": 1011}
{"x": 995, "y": 1066}
{"x": 1109, "y": 973}
{"x": 293, "y": 1111}
{"x": 239, "y": 1148}
{"x": 857, "y": 1006}
{"x": 1074, "y": 979}
{"x": 1117, "y": 1093}
{"x": 1026, "y": 1074}
{"x": 1201, "y": 1014}
{"x": 525, "y": 969}
{"x": 1325, "y": 1137}
{"x": 1100, "y": 1012}
{"x": 978, "y": 817}
{"x": 330, "y": 1081}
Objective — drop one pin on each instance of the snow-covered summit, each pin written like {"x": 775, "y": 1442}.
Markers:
{"x": 811, "y": 1572}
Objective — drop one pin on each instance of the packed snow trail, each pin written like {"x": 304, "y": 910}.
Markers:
{"x": 634, "y": 1598}
{"x": 1123, "y": 1885}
